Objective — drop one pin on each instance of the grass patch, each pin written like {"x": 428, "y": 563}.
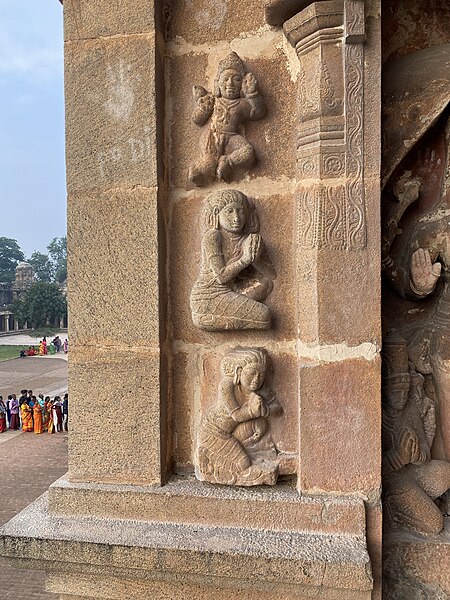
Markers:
{"x": 7, "y": 352}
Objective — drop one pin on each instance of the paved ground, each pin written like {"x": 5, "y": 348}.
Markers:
{"x": 23, "y": 339}
{"x": 29, "y": 464}
{"x": 39, "y": 460}
{"x": 42, "y": 375}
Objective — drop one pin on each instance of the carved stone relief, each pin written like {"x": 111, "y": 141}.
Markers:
{"x": 236, "y": 273}
{"x": 412, "y": 479}
{"x": 234, "y": 445}
{"x": 222, "y": 114}
{"x": 416, "y": 263}
{"x": 329, "y": 40}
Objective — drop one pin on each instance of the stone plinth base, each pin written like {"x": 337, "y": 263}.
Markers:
{"x": 192, "y": 540}
{"x": 416, "y": 567}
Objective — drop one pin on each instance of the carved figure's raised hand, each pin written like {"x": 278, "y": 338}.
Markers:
{"x": 255, "y": 405}
{"x": 408, "y": 446}
{"x": 206, "y": 103}
{"x": 251, "y": 248}
{"x": 424, "y": 274}
{"x": 249, "y": 85}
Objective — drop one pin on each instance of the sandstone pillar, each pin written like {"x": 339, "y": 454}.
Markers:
{"x": 114, "y": 175}
{"x": 337, "y": 229}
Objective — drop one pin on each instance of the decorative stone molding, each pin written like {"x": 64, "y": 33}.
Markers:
{"x": 329, "y": 41}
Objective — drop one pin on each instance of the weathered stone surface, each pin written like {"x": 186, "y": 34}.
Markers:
{"x": 110, "y": 88}
{"x": 185, "y": 500}
{"x": 340, "y": 417}
{"x": 278, "y": 11}
{"x": 171, "y": 552}
{"x": 124, "y": 386}
{"x": 410, "y": 26}
{"x": 84, "y": 19}
{"x": 415, "y": 567}
{"x": 202, "y": 22}
{"x": 113, "y": 265}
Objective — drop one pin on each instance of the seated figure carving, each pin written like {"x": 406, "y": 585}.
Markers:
{"x": 236, "y": 273}
{"x": 234, "y": 442}
{"x": 412, "y": 480}
{"x": 235, "y": 100}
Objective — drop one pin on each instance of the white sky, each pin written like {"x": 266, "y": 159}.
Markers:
{"x": 32, "y": 175}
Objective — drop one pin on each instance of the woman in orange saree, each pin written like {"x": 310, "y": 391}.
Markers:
{"x": 27, "y": 417}
{"x": 37, "y": 413}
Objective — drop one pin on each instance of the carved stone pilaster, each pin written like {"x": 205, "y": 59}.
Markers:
{"x": 329, "y": 40}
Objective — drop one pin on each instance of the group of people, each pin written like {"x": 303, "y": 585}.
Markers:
{"x": 34, "y": 414}
{"x": 44, "y": 348}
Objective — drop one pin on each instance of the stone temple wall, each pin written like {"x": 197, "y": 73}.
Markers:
{"x": 223, "y": 173}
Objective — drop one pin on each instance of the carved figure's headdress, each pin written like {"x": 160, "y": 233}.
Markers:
{"x": 240, "y": 357}
{"x": 232, "y": 62}
{"x": 395, "y": 369}
{"x": 216, "y": 201}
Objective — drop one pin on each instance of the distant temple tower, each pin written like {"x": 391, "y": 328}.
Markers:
{"x": 24, "y": 279}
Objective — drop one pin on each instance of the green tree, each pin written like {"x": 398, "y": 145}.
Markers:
{"x": 10, "y": 256}
{"x": 18, "y": 308}
{"x": 43, "y": 302}
{"x": 57, "y": 250}
{"x": 42, "y": 266}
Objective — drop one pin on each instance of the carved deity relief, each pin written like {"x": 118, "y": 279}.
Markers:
{"x": 412, "y": 479}
{"x": 236, "y": 274}
{"x": 222, "y": 115}
{"x": 234, "y": 445}
{"x": 416, "y": 235}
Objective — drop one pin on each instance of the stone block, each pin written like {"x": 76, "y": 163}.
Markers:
{"x": 218, "y": 21}
{"x": 184, "y": 378}
{"x": 269, "y": 135}
{"x": 113, "y": 268}
{"x": 178, "y": 554}
{"x": 84, "y": 19}
{"x": 186, "y": 500}
{"x": 115, "y": 415}
{"x": 110, "y": 89}
{"x": 339, "y": 290}
{"x": 276, "y": 215}
{"x": 340, "y": 427}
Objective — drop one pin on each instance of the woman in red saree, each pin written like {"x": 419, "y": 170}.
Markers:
{"x": 3, "y": 426}
{"x": 37, "y": 413}
{"x": 27, "y": 417}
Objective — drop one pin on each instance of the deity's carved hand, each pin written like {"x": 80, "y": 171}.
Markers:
{"x": 206, "y": 103}
{"x": 249, "y": 85}
{"x": 408, "y": 447}
{"x": 424, "y": 274}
